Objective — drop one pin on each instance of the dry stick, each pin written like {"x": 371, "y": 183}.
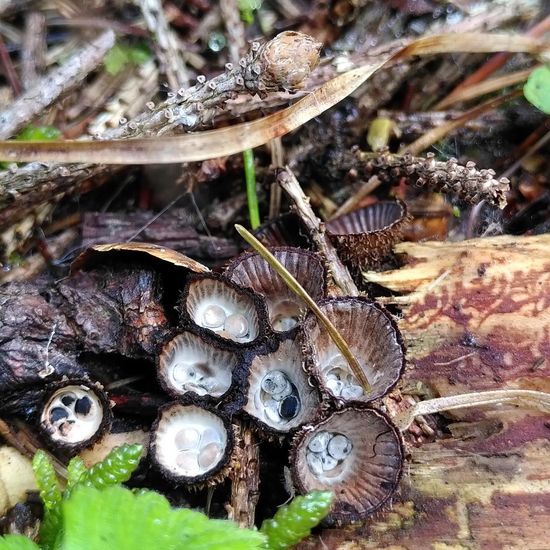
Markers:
{"x": 48, "y": 89}
{"x": 299, "y": 290}
{"x": 234, "y": 139}
{"x": 338, "y": 271}
{"x": 33, "y": 49}
{"x": 494, "y": 63}
{"x": 525, "y": 398}
{"x": 166, "y": 41}
{"x": 486, "y": 87}
{"x": 533, "y": 149}
{"x": 235, "y": 29}
{"x": 438, "y": 133}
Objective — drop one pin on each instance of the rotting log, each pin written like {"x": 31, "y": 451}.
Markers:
{"x": 476, "y": 315}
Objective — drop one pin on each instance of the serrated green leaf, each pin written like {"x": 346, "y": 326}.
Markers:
{"x": 117, "y": 467}
{"x": 294, "y": 521}
{"x": 50, "y": 493}
{"x": 117, "y": 518}
{"x": 75, "y": 470}
{"x": 537, "y": 89}
{"x": 17, "y": 542}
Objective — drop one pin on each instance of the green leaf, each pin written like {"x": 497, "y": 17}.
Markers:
{"x": 537, "y": 89}
{"x": 115, "y": 60}
{"x": 116, "y": 518}
{"x": 117, "y": 467}
{"x": 121, "y": 55}
{"x": 50, "y": 493}
{"x": 138, "y": 54}
{"x": 294, "y": 522}
{"x": 17, "y": 542}
{"x": 75, "y": 470}
{"x": 38, "y": 133}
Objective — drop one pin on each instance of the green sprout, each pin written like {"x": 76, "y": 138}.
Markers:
{"x": 251, "y": 191}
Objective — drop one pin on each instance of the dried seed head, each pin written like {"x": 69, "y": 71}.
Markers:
{"x": 284, "y": 62}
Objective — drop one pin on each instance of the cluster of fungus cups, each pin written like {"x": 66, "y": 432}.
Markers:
{"x": 246, "y": 346}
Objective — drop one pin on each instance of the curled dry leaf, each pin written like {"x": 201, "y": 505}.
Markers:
{"x": 167, "y": 255}
{"x": 234, "y": 139}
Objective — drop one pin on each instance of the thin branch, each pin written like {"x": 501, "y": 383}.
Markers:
{"x": 58, "y": 81}
{"x": 522, "y": 398}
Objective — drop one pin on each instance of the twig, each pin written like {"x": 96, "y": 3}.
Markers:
{"x": 9, "y": 69}
{"x": 486, "y": 87}
{"x": 523, "y": 398}
{"x": 34, "y": 46}
{"x": 442, "y": 131}
{"x": 535, "y": 147}
{"x": 169, "y": 51}
{"x": 235, "y": 29}
{"x": 493, "y": 64}
{"x": 338, "y": 271}
{"x": 48, "y": 88}
{"x": 366, "y": 189}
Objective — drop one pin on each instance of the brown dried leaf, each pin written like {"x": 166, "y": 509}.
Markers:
{"x": 158, "y": 252}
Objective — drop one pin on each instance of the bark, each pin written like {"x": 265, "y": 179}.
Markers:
{"x": 476, "y": 315}
{"x": 171, "y": 230}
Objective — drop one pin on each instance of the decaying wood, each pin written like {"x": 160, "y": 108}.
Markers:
{"x": 245, "y": 476}
{"x": 476, "y": 316}
{"x": 170, "y": 230}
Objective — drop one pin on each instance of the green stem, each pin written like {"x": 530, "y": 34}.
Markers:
{"x": 299, "y": 290}
{"x": 251, "y": 194}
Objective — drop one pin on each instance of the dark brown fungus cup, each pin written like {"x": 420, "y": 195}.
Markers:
{"x": 285, "y": 309}
{"x": 364, "y": 238}
{"x": 191, "y": 444}
{"x": 285, "y": 230}
{"x": 373, "y": 338}
{"x": 226, "y": 311}
{"x": 280, "y": 397}
{"x": 74, "y": 415}
{"x": 190, "y": 363}
{"x": 357, "y": 454}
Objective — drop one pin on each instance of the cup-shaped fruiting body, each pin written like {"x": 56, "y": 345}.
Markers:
{"x": 191, "y": 444}
{"x": 228, "y": 312}
{"x": 74, "y": 415}
{"x": 285, "y": 309}
{"x": 373, "y": 338}
{"x": 280, "y": 397}
{"x": 364, "y": 238}
{"x": 356, "y": 453}
{"x": 191, "y": 363}
{"x": 284, "y": 230}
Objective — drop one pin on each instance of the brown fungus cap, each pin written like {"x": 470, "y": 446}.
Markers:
{"x": 364, "y": 238}
{"x": 192, "y": 363}
{"x": 74, "y": 415}
{"x": 373, "y": 338}
{"x": 285, "y": 309}
{"x": 284, "y": 230}
{"x": 357, "y": 454}
{"x": 191, "y": 443}
{"x": 280, "y": 397}
{"x": 229, "y": 313}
